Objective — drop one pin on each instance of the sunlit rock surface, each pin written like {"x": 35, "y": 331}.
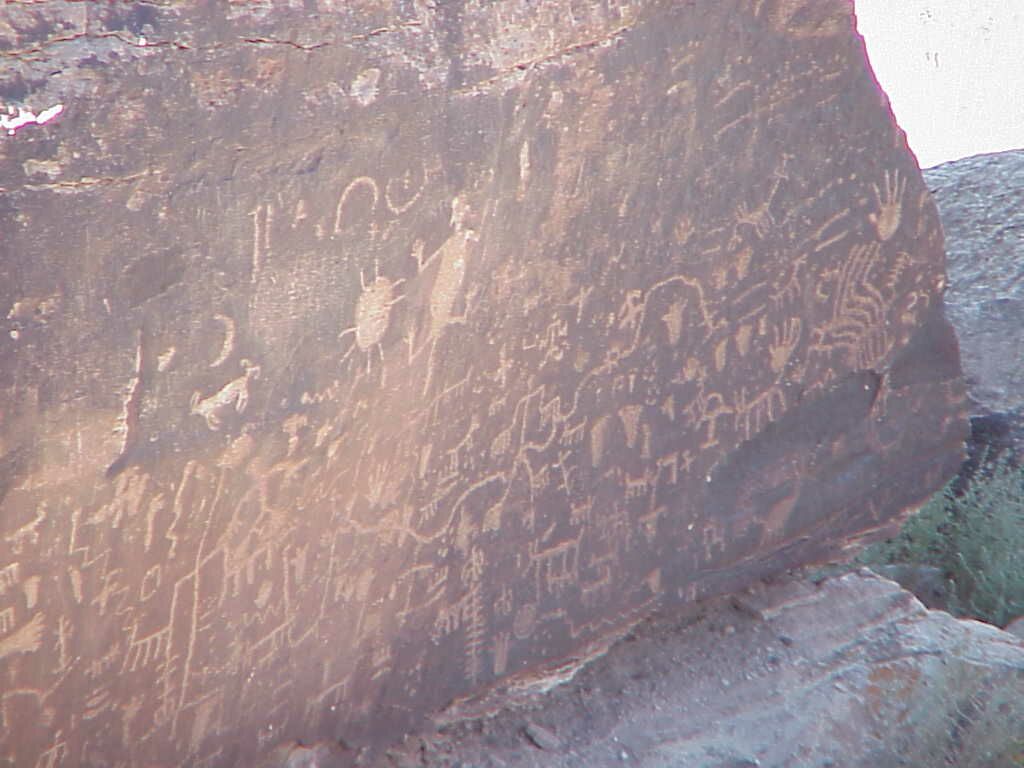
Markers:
{"x": 357, "y": 355}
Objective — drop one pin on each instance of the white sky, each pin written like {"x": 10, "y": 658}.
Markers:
{"x": 953, "y": 70}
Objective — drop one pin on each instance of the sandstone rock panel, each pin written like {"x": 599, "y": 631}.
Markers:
{"x": 357, "y": 355}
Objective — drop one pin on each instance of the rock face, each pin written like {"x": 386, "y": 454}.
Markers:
{"x": 358, "y": 355}
{"x": 979, "y": 201}
{"x": 854, "y": 672}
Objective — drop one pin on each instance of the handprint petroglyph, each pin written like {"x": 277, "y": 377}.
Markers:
{"x": 784, "y": 341}
{"x": 890, "y": 205}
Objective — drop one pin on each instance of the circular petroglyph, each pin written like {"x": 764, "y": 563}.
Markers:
{"x": 525, "y": 621}
{"x": 373, "y": 311}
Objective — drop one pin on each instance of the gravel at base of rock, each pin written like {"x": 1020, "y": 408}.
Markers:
{"x": 851, "y": 672}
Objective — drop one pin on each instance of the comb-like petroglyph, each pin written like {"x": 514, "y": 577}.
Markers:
{"x": 357, "y": 356}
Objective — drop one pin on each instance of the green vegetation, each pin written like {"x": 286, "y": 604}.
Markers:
{"x": 976, "y": 536}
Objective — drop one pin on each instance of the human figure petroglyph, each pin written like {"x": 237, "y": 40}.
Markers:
{"x": 452, "y": 269}
{"x": 890, "y": 205}
{"x": 233, "y": 395}
{"x": 452, "y": 258}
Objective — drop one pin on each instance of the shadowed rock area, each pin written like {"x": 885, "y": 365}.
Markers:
{"x": 360, "y": 355}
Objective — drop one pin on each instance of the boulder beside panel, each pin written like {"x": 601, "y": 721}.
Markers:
{"x": 358, "y": 355}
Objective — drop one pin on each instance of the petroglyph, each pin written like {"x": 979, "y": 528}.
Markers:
{"x": 373, "y": 313}
{"x": 403, "y": 191}
{"x": 673, "y": 320}
{"x": 344, "y": 215}
{"x": 452, "y": 260}
{"x": 631, "y": 310}
{"x": 54, "y": 755}
{"x": 35, "y": 309}
{"x": 524, "y": 169}
{"x": 143, "y": 651}
{"x": 28, "y": 638}
{"x": 451, "y": 271}
{"x": 784, "y": 341}
{"x": 630, "y": 416}
{"x": 752, "y": 414}
{"x": 364, "y": 87}
{"x": 9, "y": 577}
{"x": 525, "y": 621}
{"x": 232, "y": 396}
{"x": 858, "y": 310}
{"x": 128, "y": 424}
{"x": 890, "y": 205}
{"x": 262, "y": 218}
{"x": 27, "y": 534}
{"x": 228, "y": 344}
{"x": 761, "y": 220}
{"x": 165, "y": 359}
